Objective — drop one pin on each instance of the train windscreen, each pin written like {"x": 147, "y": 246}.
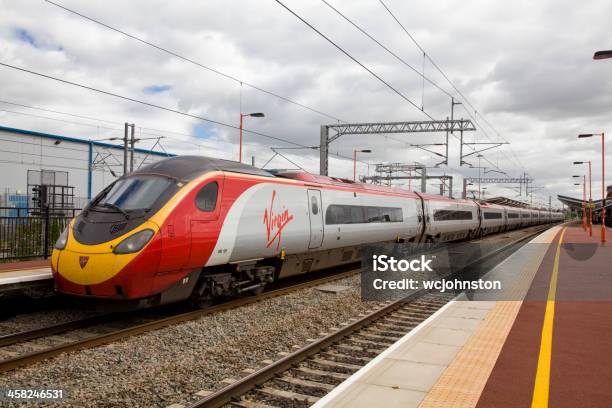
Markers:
{"x": 137, "y": 192}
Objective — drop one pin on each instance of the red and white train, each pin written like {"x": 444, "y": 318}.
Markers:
{"x": 197, "y": 227}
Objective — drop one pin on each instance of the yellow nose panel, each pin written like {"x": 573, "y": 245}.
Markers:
{"x": 92, "y": 264}
{"x": 91, "y": 269}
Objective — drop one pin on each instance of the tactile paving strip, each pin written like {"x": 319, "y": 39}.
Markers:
{"x": 461, "y": 384}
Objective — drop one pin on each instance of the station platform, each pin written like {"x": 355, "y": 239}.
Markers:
{"x": 544, "y": 340}
{"x": 19, "y": 275}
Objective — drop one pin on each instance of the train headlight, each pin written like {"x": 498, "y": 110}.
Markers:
{"x": 134, "y": 242}
{"x": 62, "y": 240}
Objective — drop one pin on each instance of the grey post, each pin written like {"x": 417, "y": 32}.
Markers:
{"x": 424, "y": 179}
{"x": 132, "y": 143}
{"x": 125, "y": 149}
{"x": 323, "y": 150}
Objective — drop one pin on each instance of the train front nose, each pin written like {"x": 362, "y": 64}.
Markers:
{"x": 109, "y": 269}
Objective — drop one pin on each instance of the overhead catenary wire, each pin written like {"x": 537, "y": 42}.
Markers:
{"x": 97, "y": 119}
{"x": 152, "y": 105}
{"x": 242, "y": 82}
{"x": 194, "y": 62}
{"x": 394, "y": 54}
{"x": 230, "y": 76}
{"x": 299, "y": 146}
{"x": 465, "y": 99}
{"x": 342, "y": 50}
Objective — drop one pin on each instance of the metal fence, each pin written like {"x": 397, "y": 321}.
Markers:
{"x": 27, "y": 233}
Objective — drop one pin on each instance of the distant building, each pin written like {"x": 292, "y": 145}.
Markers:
{"x": 90, "y": 165}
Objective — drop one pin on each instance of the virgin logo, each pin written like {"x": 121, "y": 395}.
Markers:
{"x": 275, "y": 223}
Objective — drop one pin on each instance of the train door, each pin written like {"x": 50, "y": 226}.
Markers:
{"x": 316, "y": 218}
{"x": 427, "y": 221}
{"x": 204, "y": 219}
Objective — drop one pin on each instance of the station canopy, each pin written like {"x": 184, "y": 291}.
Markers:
{"x": 577, "y": 203}
{"x": 506, "y": 201}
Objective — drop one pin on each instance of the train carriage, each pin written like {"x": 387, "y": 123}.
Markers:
{"x": 195, "y": 227}
{"x": 493, "y": 218}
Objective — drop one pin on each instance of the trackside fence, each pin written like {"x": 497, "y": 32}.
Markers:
{"x": 27, "y": 233}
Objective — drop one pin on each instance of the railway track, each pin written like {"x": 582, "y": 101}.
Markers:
{"x": 301, "y": 378}
{"x": 25, "y": 348}
{"x": 28, "y": 347}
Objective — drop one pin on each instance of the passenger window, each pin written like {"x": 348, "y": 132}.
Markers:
{"x": 314, "y": 203}
{"x": 206, "y": 199}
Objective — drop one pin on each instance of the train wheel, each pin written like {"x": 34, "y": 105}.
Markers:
{"x": 201, "y": 302}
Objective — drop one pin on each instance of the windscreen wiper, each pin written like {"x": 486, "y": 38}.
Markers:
{"x": 116, "y": 207}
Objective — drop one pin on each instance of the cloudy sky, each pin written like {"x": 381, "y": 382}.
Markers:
{"x": 525, "y": 66}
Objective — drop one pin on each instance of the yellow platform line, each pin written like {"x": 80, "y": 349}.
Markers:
{"x": 463, "y": 381}
{"x": 541, "y": 389}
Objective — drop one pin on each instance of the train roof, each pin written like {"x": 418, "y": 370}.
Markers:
{"x": 306, "y": 177}
{"x": 437, "y": 197}
{"x": 492, "y": 206}
{"x": 189, "y": 167}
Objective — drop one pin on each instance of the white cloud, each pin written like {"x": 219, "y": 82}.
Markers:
{"x": 525, "y": 65}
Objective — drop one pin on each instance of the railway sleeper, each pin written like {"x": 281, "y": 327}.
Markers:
{"x": 315, "y": 388}
{"x": 380, "y": 339}
{"x": 336, "y": 366}
{"x": 319, "y": 375}
{"x": 411, "y": 313}
{"x": 283, "y": 396}
{"x": 366, "y": 343}
{"x": 247, "y": 403}
{"x": 345, "y": 358}
{"x": 401, "y": 321}
{"x": 430, "y": 303}
{"x": 357, "y": 350}
{"x": 393, "y": 334}
{"x": 391, "y": 328}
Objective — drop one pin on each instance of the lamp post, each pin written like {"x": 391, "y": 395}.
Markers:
{"x": 590, "y": 219}
{"x": 242, "y": 116}
{"x": 603, "y": 179}
{"x": 583, "y": 199}
{"x": 599, "y": 55}
{"x": 355, "y": 161}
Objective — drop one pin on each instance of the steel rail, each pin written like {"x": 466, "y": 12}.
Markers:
{"x": 237, "y": 389}
{"x": 50, "y": 330}
{"x": 33, "y": 357}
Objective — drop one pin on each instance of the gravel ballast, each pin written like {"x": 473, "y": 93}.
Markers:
{"x": 170, "y": 365}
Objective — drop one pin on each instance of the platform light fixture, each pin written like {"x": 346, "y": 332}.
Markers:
{"x": 599, "y": 55}
{"x": 242, "y": 116}
{"x": 355, "y": 161}
{"x": 603, "y": 170}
